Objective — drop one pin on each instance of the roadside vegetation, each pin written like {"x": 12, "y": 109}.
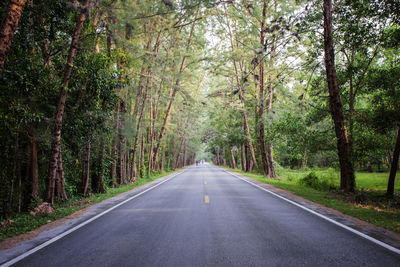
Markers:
{"x": 95, "y": 95}
{"x": 22, "y": 223}
{"x": 100, "y": 94}
{"x": 300, "y": 86}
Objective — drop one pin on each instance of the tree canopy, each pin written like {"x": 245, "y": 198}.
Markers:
{"x": 99, "y": 93}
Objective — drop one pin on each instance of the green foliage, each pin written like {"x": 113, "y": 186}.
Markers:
{"x": 24, "y": 222}
{"x": 130, "y": 53}
{"x": 313, "y": 181}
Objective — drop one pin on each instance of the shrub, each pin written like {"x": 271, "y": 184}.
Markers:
{"x": 312, "y": 180}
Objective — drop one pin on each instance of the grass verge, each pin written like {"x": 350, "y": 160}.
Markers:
{"x": 24, "y": 222}
{"x": 368, "y": 204}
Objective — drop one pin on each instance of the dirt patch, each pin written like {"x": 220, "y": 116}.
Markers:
{"x": 80, "y": 203}
{"x": 14, "y": 241}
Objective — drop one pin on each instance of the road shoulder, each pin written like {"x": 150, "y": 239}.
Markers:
{"x": 386, "y": 236}
{"x": 17, "y": 245}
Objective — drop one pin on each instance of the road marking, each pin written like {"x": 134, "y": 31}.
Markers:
{"x": 205, "y": 182}
{"x": 376, "y": 241}
{"x": 206, "y": 199}
{"x": 54, "y": 239}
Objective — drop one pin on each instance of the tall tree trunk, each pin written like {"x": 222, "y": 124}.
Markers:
{"x": 233, "y": 159}
{"x": 141, "y": 169}
{"x": 248, "y": 160}
{"x": 218, "y": 157}
{"x": 179, "y": 153}
{"x": 243, "y": 157}
{"x": 8, "y": 27}
{"x": 134, "y": 117}
{"x": 271, "y": 163}
{"x": 162, "y": 161}
{"x": 155, "y": 164}
{"x": 144, "y": 94}
{"x": 261, "y": 130}
{"x": 139, "y": 122}
{"x": 185, "y": 156}
{"x": 394, "y": 166}
{"x": 122, "y": 145}
{"x": 34, "y": 171}
{"x": 56, "y": 142}
{"x": 149, "y": 162}
{"x": 114, "y": 145}
{"x": 347, "y": 179}
{"x": 86, "y": 168}
{"x": 60, "y": 179}
{"x": 166, "y": 118}
{"x": 223, "y": 156}
{"x": 98, "y": 175}
{"x": 138, "y": 99}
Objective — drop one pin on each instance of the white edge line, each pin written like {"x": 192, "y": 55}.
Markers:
{"x": 380, "y": 243}
{"x": 54, "y": 239}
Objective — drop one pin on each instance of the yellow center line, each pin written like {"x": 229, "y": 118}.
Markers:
{"x": 206, "y": 199}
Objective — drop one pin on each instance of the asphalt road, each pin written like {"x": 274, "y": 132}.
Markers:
{"x": 206, "y": 217}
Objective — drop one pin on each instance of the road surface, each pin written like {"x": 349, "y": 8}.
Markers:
{"x": 207, "y": 217}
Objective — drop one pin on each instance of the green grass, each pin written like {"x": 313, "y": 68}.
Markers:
{"x": 24, "y": 222}
{"x": 364, "y": 180}
{"x": 373, "y": 206}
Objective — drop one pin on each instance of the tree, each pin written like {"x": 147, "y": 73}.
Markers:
{"x": 384, "y": 83}
{"x": 56, "y": 143}
{"x": 347, "y": 179}
{"x": 8, "y": 27}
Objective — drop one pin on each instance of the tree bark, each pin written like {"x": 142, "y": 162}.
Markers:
{"x": 179, "y": 153}
{"x": 243, "y": 157}
{"x": 60, "y": 179}
{"x": 261, "y": 130}
{"x": 162, "y": 161}
{"x": 86, "y": 168}
{"x": 141, "y": 169}
{"x": 56, "y": 142}
{"x": 223, "y": 156}
{"x": 218, "y": 158}
{"x": 394, "y": 166}
{"x": 185, "y": 158}
{"x": 347, "y": 179}
{"x": 122, "y": 145}
{"x": 8, "y": 27}
{"x": 114, "y": 145}
{"x": 150, "y": 157}
{"x": 233, "y": 159}
{"x": 271, "y": 163}
{"x": 35, "y": 171}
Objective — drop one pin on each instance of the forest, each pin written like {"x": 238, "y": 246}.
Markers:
{"x": 98, "y": 94}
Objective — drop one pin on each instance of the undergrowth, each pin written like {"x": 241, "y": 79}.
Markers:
{"x": 24, "y": 222}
